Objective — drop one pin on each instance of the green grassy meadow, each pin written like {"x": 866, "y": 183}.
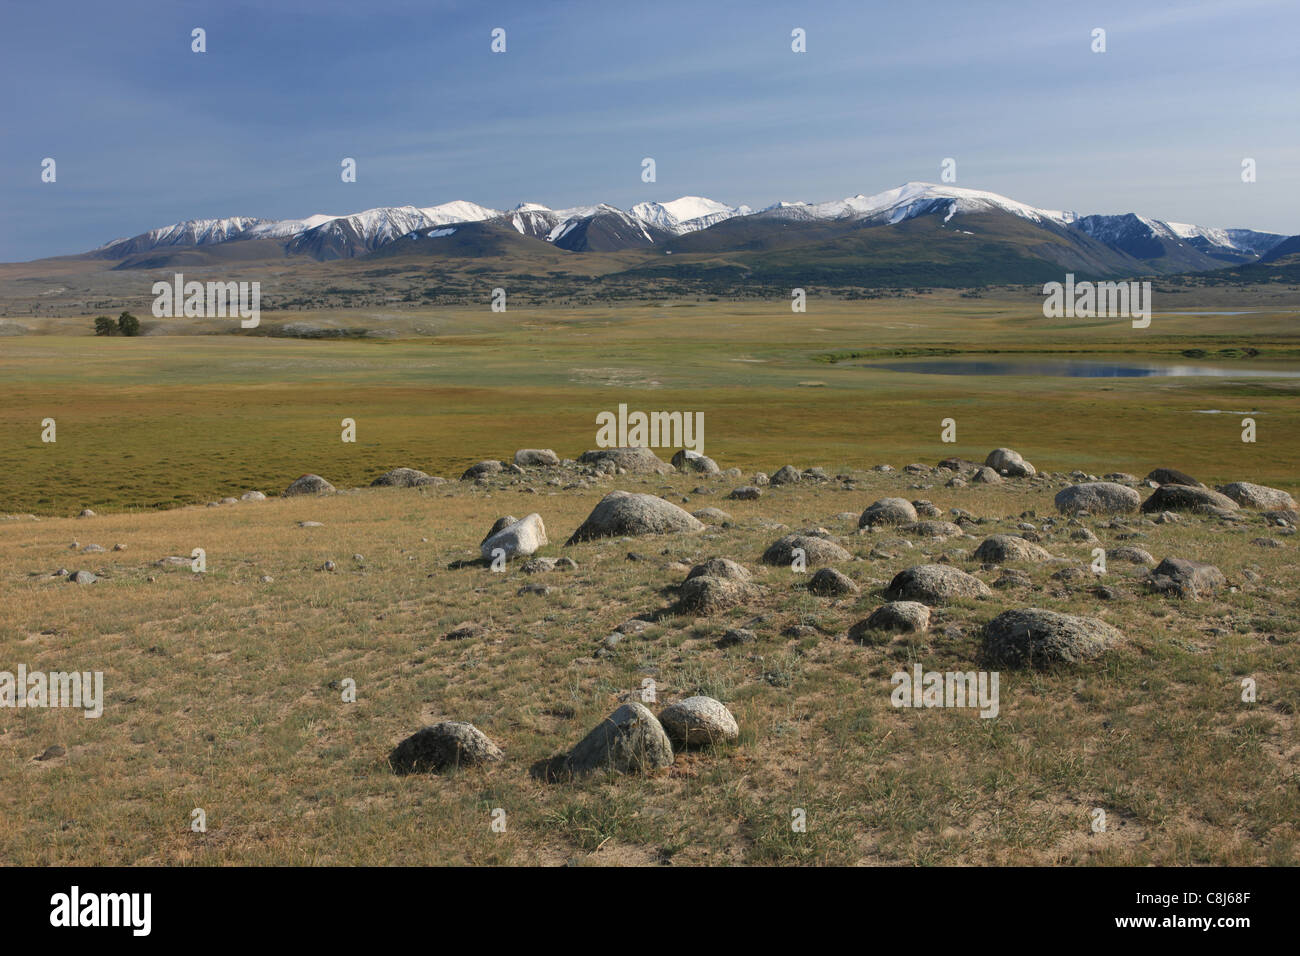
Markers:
{"x": 166, "y": 420}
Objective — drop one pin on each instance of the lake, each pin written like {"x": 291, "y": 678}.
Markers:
{"x": 1049, "y": 367}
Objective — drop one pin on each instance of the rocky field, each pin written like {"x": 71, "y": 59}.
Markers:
{"x": 618, "y": 660}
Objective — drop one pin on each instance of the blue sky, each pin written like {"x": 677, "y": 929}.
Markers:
{"x": 146, "y": 133}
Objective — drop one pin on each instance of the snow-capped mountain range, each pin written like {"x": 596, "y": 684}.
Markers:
{"x": 603, "y": 227}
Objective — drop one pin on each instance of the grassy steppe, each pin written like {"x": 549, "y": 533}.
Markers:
{"x": 219, "y": 693}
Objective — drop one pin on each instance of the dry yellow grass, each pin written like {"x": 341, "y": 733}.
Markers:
{"x": 218, "y": 693}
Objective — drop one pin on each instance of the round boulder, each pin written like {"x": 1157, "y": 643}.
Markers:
{"x": 901, "y": 617}
{"x": 935, "y": 584}
{"x": 630, "y": 740}
{"x": 699, "y": 722}
{"x": 831, "y": 583}
{"x": 1097, "y": 498}
{"x": 448, "y": 744}
{"x": 623, "y": 513}
{"x": 634, "y": 461}
{"x": 888, "y": 511}
{"x": 517, "y": 539}
{"x": 1001, "y": 548}
{"x": 536, "y": 458}
{"x": 1007, "y": 461}
{"x": 693, "y": 461}
{"x": 1033, "y": 636}
{"x": 309, "y": 485}
{"x": 1186, "y": 498}
{"x": 1260, "y": 497}
{"x": 816, "y": 551}
{"x": 398, "y": 478}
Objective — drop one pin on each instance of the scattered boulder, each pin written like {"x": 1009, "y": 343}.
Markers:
{"x": 1259, "y": 497}
{"x": 623, "y": 513}
{"x": 888, "y": 511}
{"x": 1172, "y": 476}
{"x": 933, "y": 529}
{"x": 935, "y": 584}
{"x": 720, "y": 568}
{"x": 693, "y": 461}
{"x": 447, "y": 744}
{"x": 309, "y": 485}
{"x": 1186, "y": 498}
{"x": 630, "y": 740}
{"x": 709, "y": 594}
{"x": 1043, "y": 639}
{"x": 503, "y": 522}
{"x": 1098, "y": 498}
{"x": 463, "y": 632}
{"x": 398, "y": 478}
{"x": 634, "y": 461}
{"x": 482, "y": 469}
{"x": 831, "y": 583}
{"x": 1181, "y": 577}
{"x": 1007, "y": 462}
{"x": 817, "y": 551}
{"x": 536, "y": 458}
{"x": 1001, "y": 548}
{"x": 985, "y": 475}
{"x": 902, "y": 617}
{"x": 82, "y": 577}
{"x": 737, "y": 635}
{"x": 519, "y": 539}
{"x": 786, "y": 475}
{"x": 252, "y": 496}
{"x": 1130, "y": 555}
{"x": 699, "y": 722}
{"x": 712, "y": 515}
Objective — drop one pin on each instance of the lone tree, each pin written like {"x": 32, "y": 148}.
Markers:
{"x": 105, "y": 326}
{"x": 128, "y": 324}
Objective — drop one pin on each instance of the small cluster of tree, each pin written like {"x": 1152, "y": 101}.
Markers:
{"x": 126, "y": 324}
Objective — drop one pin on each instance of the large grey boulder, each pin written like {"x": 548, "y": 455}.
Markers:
{"x": 630, "y": 740}
{"x": 1260, "y": 497}
{"x": 1008, "y": 462}
{"x": 888, "y": 511}
{"x": 901, "y": 617}
{"x": 447, "y": 744}
{"x": 693, "y": 461}
{"x": 1039, "y": 638}
{"x": 536, "y": 458}
{"x": 1181, "y": 577}
{"x": 720, "y": 568}
{"x": 935, "y": 584}
{"x": 831, "y": 583}
{"x": 1097, "y": 498}
{"x": 699, "y": 722}
{"x": 309, "y": 485}
{"x": 482, "y": 469}
{"x": 623, "y": 513}
{"x": 786, "y": 475}
{"x": 518, "y": 540}
{"x": 399, "y": 478}
{"x": 503, "y": 522}
{"x": 933, "y": 529}
{"x": 1001, "y": 548}
{"x": 707, "y": 594}
{"x": 1186, "y": 498}
{"x": 635, "y": 461}
{"x": 1172, "y": 476}
{"x": 816, "y": 551}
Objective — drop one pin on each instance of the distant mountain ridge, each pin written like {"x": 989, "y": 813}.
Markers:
{"x": 1097, "y": 244}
